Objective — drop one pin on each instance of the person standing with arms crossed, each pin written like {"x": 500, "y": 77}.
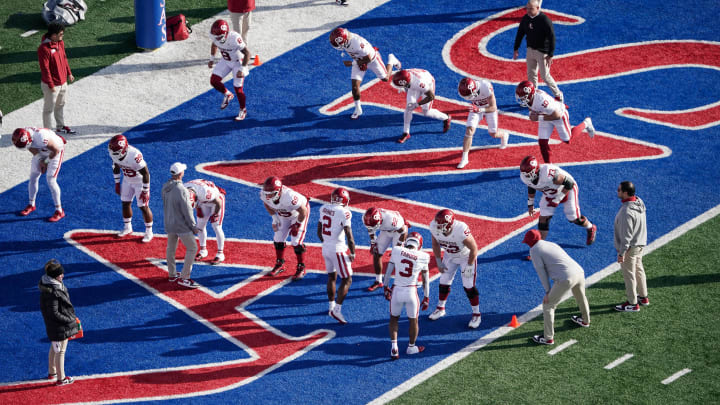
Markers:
{"x": 55, "y": 73}
{"x": 630, "y": 239}
{"x": 540, "y": 46}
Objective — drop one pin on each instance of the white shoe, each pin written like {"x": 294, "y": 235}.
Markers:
{"x": 148, "y": 237}
{"x": 218, "y": 259}
{"x": 589, "y": 127}
{"x": 201, "y": 254}
{"x": 124, "y": 232}
{"x": 226, "y": 100}
{"x": 437, "y": 314}
{"x": 338, "y": 316}
{"x": 394, "y": 62}
{"x": 504, "y": 140}
{"x": 475, "y": 321}
{"x": 357, "y": 113}
{"x": 241, "y": 115}
{"x": 463, "y": 162}
{"x": 414, "y": 349}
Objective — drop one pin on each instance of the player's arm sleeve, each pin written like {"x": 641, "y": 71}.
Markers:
{"x": 388, "y": 271}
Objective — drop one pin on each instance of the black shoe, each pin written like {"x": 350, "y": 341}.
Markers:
{"x": 279, "y": 268}
{"x": 300, "y": 272}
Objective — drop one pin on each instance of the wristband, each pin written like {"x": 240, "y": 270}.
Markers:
{"x": 117, "y": 177}
{"x": 146, "y": 187}
{"x": 481, "y": 110}
{"x": 531, "y": 201}
{"x": 541, "y": 117}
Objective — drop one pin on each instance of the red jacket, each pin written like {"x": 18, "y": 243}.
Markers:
{"x": 241, "y": 6}
{"x": 53, "y": 62}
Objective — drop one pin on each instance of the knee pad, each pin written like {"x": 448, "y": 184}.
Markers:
{"x": 279, "y": 245}
{"x": 444, "y": 289}
{"x": 544, "y": 226}
{"x": 472, "y": 292}
{"x": 299, "y": 249}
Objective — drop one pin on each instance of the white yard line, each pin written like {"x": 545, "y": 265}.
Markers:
{"x": 562, "y": 347}
{"x": 144, "y": 85}
{"x": 619, "y": 361}
{"x": 676, "y": 376}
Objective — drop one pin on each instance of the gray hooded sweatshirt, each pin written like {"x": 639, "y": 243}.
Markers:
{"x": 630, "y": 225}
{"x": 178, "y": 213}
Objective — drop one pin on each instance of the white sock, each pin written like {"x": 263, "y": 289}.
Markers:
{"x": 378, "y": 278}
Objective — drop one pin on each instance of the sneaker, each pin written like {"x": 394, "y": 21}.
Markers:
{"x": 578, "y": 320}
{"x": 414, "y": 349}
{"x": 279, "y": 268}
{"x": 58, "y": 215}
{"x": 463, "y": 162}
{"x": 65, "y": 381}
{"x": 218, "y": 259}
{"x": 437, "y": 314}
{"x": 27, "y": 210}
{"x": 403, "y": 138}
{"x": 189, "y": 283}
{"x": 174, "y": 278}
{"x": 375, "y": 286}
{"x": 147, "y": 237}
{"x": 356, "y": 114}
{"x": 475, "y": 321}
{"x": 226, "y": 100}
{"x": 335, "y": 313}
{"x": 644, "y": 301}
{"x": 241, "y": 115}
{"x": 446, "y": 124}
{"x": 201, "y": 254}
{"x": 589, "y": 127}
{"x": 300, "y": 272}
{"x": 394, "y": 354}
{"x": 52, "y": 377}
{"x": 591, "y": 235}
{"x": 394, "y": 62}
{"x": 125, "y": 232}
{"x": 540, "y": 339}
{"x": 627, "y": 307}
{"x": 504, "y": 140}
{"x": 68, "y": 131}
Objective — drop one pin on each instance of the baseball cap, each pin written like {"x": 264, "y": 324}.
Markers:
{"x": 177, "y": 168}
{"x": 532, "y": 237}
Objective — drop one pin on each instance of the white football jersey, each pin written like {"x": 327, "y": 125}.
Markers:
{"x": 546, "y": 174}
{"x": 288, "y": 204}
{"x": 333, "y": 220}
{"x": 358, "y": 47}
{"x": 453, "y": 243}
{"x": 544, "y": 103}
{"x": 484, "y": 93}
{"x": 392, "y": 221}
{"x": 231, "y": 50}
{"x": 421, "y": 81}
{"x": 205, "y": 190}
{"x": 41, "y": 137}
{"x": 130, "y": 164}
{"x": 408, "y": 265}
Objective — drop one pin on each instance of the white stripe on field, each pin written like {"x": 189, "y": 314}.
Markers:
{"x": 618, "y": 361}
{"x": 562, "y": 347}
{"x": 676, "y": 376}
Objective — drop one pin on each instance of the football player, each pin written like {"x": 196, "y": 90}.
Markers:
{"x": 407, "y": 261}
{"x": 391, "y": 231}
{"x": 549, "y": 113}
{"x": 231, "y": 45}
{"x": 334, "y": 228}
{"x": 289, "y": 211}
{"x": 208, "y": 200}
{"x": 420, "y": 88}
{"x": 558, "y": 187}
{"x": 130, "y": 167}
{"x": 482, "y": 98}
{"x": 454, "y": 237}
{"x": 47, "y": 149}
{"x": 364, "y": 56}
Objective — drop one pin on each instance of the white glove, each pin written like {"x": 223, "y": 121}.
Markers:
{"x": 412, "y": 106}
{"x": 441, "y": 266}
{"x": 245, "y": 71}
{"x": 468, "y": 270}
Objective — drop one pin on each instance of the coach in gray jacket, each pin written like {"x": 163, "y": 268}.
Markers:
{"x": 179, "y": 223}
{"x": 630, "y": 239}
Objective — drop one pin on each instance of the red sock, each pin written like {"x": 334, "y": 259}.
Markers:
{"x": 279, "y": 254}
{"x": 578, "y": 129}
{"x": 216, "y": 82}
{"x": 545, "y": 149}
{"x": 240, "y": 96}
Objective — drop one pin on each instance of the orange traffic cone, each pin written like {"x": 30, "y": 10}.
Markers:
{"x": 514, "y": 322}
{"x": 257, "y": 62}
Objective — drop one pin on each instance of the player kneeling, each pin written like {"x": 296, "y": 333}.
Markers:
{"x": 407, "y": 261}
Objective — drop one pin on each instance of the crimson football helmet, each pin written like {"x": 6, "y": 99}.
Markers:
{"x": 340, "y": 196}
{"x": 401, "y": 80}
{"x": 118, "y": 146}
{"x": 445, "y": 220}
{"x": 529, "y": 168}
{"x": 220, "y": 30}
{"x": 372, "y": 219}
{"x": 524, "y": 93}
{"x": 21, "y": 138}
{"x": 468, "y": 88}
{"x": 272, "y": 188}
{"x": 414, "y": 239}
{"x": 339, "y": 38}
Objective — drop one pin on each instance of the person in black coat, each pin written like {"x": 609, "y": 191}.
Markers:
{"x": 59, "y": 316}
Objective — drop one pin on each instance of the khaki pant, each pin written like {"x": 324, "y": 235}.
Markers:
{"x": 242, "y": 29}
{"x": 575, "y": 284}
{"x": 54, "y": 103}
{"x": 537, "y": 59}
{"x": 188, "y": 239}
{"x": 56, "y": 359}
{"x": 634, "y": 274}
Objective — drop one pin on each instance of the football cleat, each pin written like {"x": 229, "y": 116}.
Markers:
{"x": 201, "y": 254}
{"x": 446, "y": 124}
{"x": 375, "y": 286}
{"x": 540, "y": 339}
{"x": 589, "y": 127}
{"x": 278, "y": 268}
{"x": 394, "y": 62}
{"x": 218, "y": 259}
{"x": 226, "y": 100}
{"x": 438, "y": 313}
{"x": 241, "y": 115}
{"x": 189, "y": 283}
{"x": 403, "y": 138}
{"x": 578, "y": 320}
{"x": 335, "y": 313}
{"x": 475, "y": 321}
{"x": 463, "y": 162}
{"x": 147, "y": 237}
{"x": 27, "y": 210}
{"x": 591, "y": 233}
{"x": 300, "y": 272}
{"x": 357, "y": 113}
{"x": 58, "y": 215}
{"x": 414, "y": 349}
{"x": 504, "y": 140}
{"x": 394, "y": 354}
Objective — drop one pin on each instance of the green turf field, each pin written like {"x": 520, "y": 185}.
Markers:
{"x": 678, "y": 330}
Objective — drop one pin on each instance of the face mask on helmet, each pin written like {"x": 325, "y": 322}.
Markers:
{"x": 468, "y": 88}
{"x": 21, "y": 138}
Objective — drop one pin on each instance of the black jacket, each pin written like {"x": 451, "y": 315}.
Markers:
{"x": 540, "y": 33}
{"x": 57, "y": 310}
